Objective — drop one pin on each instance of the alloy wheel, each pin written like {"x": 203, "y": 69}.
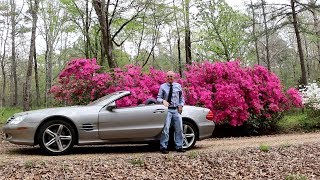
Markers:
{"x": 57, "y": 138}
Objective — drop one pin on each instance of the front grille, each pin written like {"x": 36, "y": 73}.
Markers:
{"x": 88, "y": 127}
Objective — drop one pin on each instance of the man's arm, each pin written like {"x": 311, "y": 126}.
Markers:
{"x": 160, "y": 95}
{"x": 181, "y": 98}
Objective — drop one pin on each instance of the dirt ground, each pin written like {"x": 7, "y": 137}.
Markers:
{"x": 287, "y": 156}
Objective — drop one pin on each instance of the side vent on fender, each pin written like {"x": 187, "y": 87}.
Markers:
{"x": 88, "y": 127}
{"x": 10, "y": 119}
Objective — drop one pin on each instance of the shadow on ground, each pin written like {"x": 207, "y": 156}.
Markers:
{"x": 104, "y": 149}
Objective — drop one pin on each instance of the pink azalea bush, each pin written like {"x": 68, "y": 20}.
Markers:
{"x": 233, "y": 93}
{"x": 142, "y": 85}
{"x": 80, "y": 82}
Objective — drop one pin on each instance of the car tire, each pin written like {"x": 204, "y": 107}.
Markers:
{"x": 56, "y": 137}
{"x": 190, "y": 134}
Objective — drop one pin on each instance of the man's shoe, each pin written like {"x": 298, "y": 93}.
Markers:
{"x": 181, "y": 150}
{"x": 164, "y": 151}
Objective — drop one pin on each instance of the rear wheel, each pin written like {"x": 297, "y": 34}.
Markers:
{"x": 190, "y": 134}
{"x": 56, "y": 137}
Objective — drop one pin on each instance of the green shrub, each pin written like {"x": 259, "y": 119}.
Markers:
{"x": 305, "y": 120}
{"x": 264, "y": 148}
{"x": 192, "y": 154}
{"x": 136, "y": 161}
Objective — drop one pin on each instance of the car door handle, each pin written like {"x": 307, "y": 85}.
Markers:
{"x": 159, "y": 111}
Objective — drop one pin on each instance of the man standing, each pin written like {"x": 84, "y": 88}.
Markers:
{"x": 170, "y": 94}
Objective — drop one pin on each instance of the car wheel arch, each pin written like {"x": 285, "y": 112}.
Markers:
{"x": 57, "y": 118}
{"x": 187, "y": 119}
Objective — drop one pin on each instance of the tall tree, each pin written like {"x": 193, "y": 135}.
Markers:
{"x": 13, "y": 77}
{"x": 107, "y": 17}
{"x": 266, "y": 32}
{"x": 178, "y": 39}
{"x": 254, "y": 33}
{"x": 3, "y": 45}
{"x": 222, "y": 31}
{"x": 80, "y": 14}
{"x": 36, "y": 77}
{"x": 187, "y": 42}
{"x": 297, "y": 32}
{"x": 26, "y": 95}
{"x": 53, "y": 18}
{"x": 103, "y": 15}
{"x": 314, "y": 12}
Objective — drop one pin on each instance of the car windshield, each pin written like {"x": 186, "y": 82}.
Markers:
{"x": 102, "y": 99}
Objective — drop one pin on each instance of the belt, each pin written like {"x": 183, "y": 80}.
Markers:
{"x": 172, "y": 107}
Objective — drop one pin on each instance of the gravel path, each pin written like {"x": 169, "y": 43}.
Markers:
{"x": 290, "y": 156}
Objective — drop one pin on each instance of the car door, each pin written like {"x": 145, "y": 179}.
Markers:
{"x": 140, "y": 122}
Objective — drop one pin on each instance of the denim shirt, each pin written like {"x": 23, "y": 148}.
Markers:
{"x": 177, "y": 95}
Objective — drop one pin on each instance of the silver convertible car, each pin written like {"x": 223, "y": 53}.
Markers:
{"x": 57, "y": 130}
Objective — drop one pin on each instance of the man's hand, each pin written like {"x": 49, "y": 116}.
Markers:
{"x": 165, "y": 103}
{"x": 180, "y": 109}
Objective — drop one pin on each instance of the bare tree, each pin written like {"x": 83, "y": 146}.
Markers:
{"x": 54, "y": 18}
{"x": 178, "y": 39}
{"x": 36, "y": 77}
{"x": 27, "y": 94}
{"x": 187, "y": 31}
{"x": 84, "y": 24}
{"x": 297, "y": 32}
{"x": 106, "y": 18}
{"x": 263, "y": 4}
{"x": 13, "y": 77}
{"x": 4, "y": 38}
{"x": 254, "y": 32}
{"x": 316, "y": 25}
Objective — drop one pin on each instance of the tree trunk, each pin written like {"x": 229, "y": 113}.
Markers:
{"x": 4, "y": 77}
{"x": 297, "y": 32}
{"x": 316, "y": 26}
{"x": 48, "y": 60}
{"x": 178, "y": 40}
{"x": 27, "y": 88}
{"x": 307, "y": 56}
{"x": 87, "y": 37}
{"x": 141, "y": 37}
{"x": 187, "y": 33}
{"x": 13, "y": 78}
{"x": 266, "y": 33}
{"x": 254, "y": 33}
{"x": 36, "y": 77}
{"x": 102, "y": 13}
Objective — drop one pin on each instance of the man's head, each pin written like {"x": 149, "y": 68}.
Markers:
{"x": 170, "y": 76}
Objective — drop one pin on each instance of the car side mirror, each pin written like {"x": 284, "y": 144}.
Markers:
{"x": 111, "y": 106}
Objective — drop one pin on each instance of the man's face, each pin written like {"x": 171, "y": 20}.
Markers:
{"x": 170, "y": 77}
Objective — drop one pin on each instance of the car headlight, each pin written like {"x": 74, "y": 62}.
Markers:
{"x": 17, "y": 120}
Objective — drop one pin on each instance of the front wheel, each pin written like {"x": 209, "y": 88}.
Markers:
{"x": 56, "y": 137}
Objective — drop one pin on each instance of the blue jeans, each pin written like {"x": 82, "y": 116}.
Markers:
{"x": 174, "y": 117}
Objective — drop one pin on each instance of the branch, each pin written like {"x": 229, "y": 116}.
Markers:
{"x": 114, "y": 12}
{"x": 127, "y": 22}
{"x": 121, "y": 42}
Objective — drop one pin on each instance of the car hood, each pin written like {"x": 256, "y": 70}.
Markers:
{"x": 61, "y": 110}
